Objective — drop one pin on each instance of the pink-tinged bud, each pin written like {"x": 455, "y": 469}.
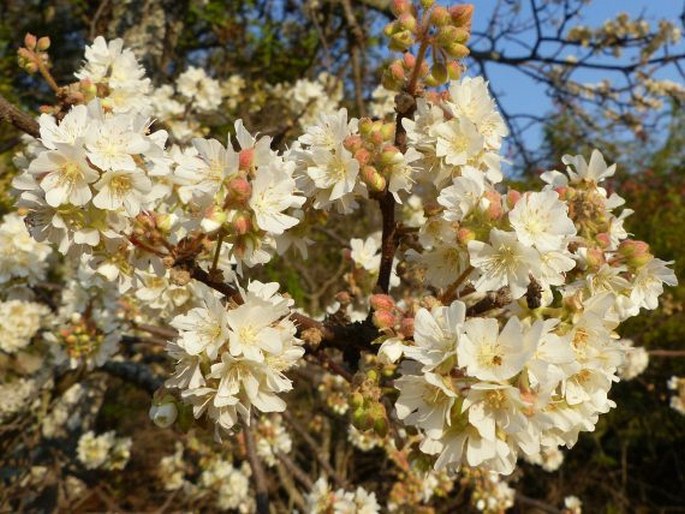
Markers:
{"x": 353, "y": 142}
{"x": 389, "y": 82}
{"x": 409, "y": 61}
{"x": 246, "y": 157}
{"x": 382, "y": 302}
{"x": 513, "y": 196}
{"x": 464, "y": 235}
{"x": 43, "y": 44}
{"x": 456, "y": 50}
{"x": 635, "y": 252}
{"x": 407, "y": 327}
{"x": 242, "y": 223}
{"x": 440, "y": 16}
{"x": 454, "y": 70}
{"x": 30, "y": 41}
{"x": 603, "y": 239}
{"x": 399, "y": 7}
{"x": 462, "y": 15}
{"x": 494, "y": 208}
{"x": 595, "y": 257}
{"x": 407, "y": 22}
{"x": 401, "y": 41}
{"x": 383, "y": 319}
{"x": 374, "y": 180}
{"x": 363, "y": 156}
{"x": 239, "y": 191}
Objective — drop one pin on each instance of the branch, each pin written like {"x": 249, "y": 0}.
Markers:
{"x": 262, "y": 494}
{"x": 18, "y": 118}
{"x": 134, "y": 373}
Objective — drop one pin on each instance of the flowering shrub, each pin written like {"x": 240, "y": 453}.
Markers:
{"x": 477, "y": 329}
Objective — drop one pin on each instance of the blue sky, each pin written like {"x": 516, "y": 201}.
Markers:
{"x": 520, "y": 94}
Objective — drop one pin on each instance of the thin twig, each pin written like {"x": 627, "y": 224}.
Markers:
{"x": 261, "y": 489}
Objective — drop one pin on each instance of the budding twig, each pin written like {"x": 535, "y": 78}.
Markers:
{"x": 19, "y": 119}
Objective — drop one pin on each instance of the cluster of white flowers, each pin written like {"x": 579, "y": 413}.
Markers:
{"x": 677, "y": 401}
{"x": 482, "y": 390}
{"x": 14, "y": 396}
{"x": 232, "y": 485}
{"x": 171, "y": 470}
{"x": 21, "y": 256}
{"x": 490, "y": 493}
{"x": 64, "y": 414}
{"x": 230, "y": 360}
{"x": 308, "y": 99}
{"x": 323, "y": 500}
{"x": 550, "y": 459}
{"x": 272, "y": 439}
{"x": 115, "y": 73}
{"x": 458, "y": 130}
{"x": 19, "y": 322}
{"x": 199, "y": 88}
{"x": 636, "y": 360}
{"x": 104, "y": 451}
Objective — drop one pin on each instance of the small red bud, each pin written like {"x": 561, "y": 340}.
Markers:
{"x": 30, "y": 41}
{"x": 383, "y": 319}
{"x": 245, "y": 159}
{"x": 382, "y": 302}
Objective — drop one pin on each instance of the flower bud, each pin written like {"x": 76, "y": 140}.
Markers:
{"x": 30, "y": 41}
{"x": 374, "y": 180}
{"x": 353, "y": 142}
{"x": 456, "y": 50}
{"x": 603, "y": 239}
{"x": 245, "y": 158}
{"x": 388, "y": 132}
{"x": 363, "y": 156}
{"x": 390, "y": 156}
{"x": 362, "y": 420}
{"x": 383, "y": 319}
{"x": 407, "y": 22}
{"x": 401, "y": 41}
{"x": 242, "y": 223}
{"x": 427, "y": 4}
{"x": 356, "y": 400}
{"x": 440, "y": 16}
{"x": 635, "y": 252}
{"x": 449, "y": 35}
{"x": 43, "y": 44}
{"x": 239, "y": 191}
{"x": 164, "y": 414}
{"x": 213, "y": 219}
{"x": 382, "y": 302}
{"x": 397, "y": 71}
{"x": 390, "y": 29}
{"x": 462, "y": 15}
{"x": 399, "y": 7}
{"x": 408, "y": 61}
{"x": 365, "y": 127}
{"x": 513, "y": 196}
{"x": 494, "y": 204}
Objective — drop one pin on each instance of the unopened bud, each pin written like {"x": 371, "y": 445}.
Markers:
{"x": 30, "y": 41}
{"x": 603, "y": 239}
{"x": 242, "y": 223}
{"x": 43, "y": 44}
{"x": 382, "y": 302}
{"x": 407, "y": 22}
{"x": 383, "y": 319}
{"x": 456, "y": 50}
{"x": 440, "y": 16}
{"x": 462, "y": 15}
{"x": 494, "y": 204}
{"x": 239, "y": 191}
{"x": 399, "y": 7}
{"x": 213, "y": 219}
{"x": 390, "y": 156}
{"x": 356, "y": 400}
{"x": 513, "y": 196}
{"x": 427, "y": 4}
{"x": 388, "y": 132}
{"x": 365, "y": 127}
{"x": 363, "y": 156}
{"x": 401, "y": 41}
{"x": 450, "y": 35}
{"x": 397, "y": 71}
{"x": 353, "y": 142}
{"x": 635, "y": 252}
{"x": 246, "y": 157}
{"x": 362, "y": 420}
{"x": 164, "y": 414}
{"x": 374, "y": 180}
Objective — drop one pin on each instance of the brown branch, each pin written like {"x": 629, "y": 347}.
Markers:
{"x": 492, "y": 300}
{"x": 260, "y": 485}
{"x": 134, "y": 373}
{"x": 18, "y": 118}
{"x": 666, "y": 353}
